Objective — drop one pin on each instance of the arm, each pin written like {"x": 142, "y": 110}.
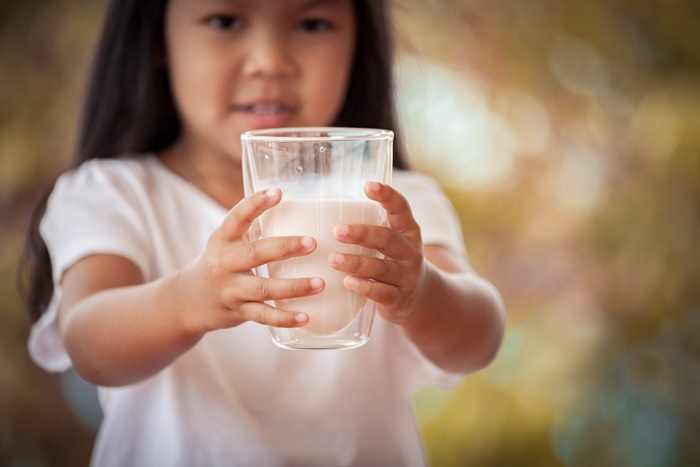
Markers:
{"x": 119, "y": 330}
{"x": 455, "y": 318}
{"x": 458, "y": 320}
{"x": 116, "y": 328}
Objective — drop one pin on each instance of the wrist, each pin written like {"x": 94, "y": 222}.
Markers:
{"x": 177, "y": 289}
{"x": 419, "y": 308}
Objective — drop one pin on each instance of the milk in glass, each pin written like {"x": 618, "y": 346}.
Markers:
{"x": 335, "y": 307}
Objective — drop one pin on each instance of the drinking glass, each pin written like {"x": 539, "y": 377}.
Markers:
{"x": 321, "y": 172}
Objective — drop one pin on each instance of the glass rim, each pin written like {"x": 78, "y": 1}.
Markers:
{"x": 296, "y": 134}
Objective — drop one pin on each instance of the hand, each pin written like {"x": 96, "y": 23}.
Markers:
{"x": 223, "y": 286}
{"x": 393, "y": 281}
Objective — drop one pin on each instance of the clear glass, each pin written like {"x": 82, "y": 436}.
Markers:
{"x": 322, "y": 173}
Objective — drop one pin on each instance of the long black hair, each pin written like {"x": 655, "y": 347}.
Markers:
{"x": 129, "y": 109}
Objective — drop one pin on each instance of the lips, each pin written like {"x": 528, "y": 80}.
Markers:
{"x": 267, "y": 110}
{"x": 265, "y": 114}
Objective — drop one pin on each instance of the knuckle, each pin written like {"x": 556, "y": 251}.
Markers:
{"x": 258, "y": 197}
{"x": 295, "y": 288}
{"x": 242, "y": 313}
{"x": 394, "y": 236}
{"x": 252, "y": 250}
{"x": 229, "y": 298}
{"x": 263, "y": 290}
{"x": 301, "y": 286}
{"x": 288, "y": 244}
{"x": 226, "y": 298}
{"x": 298, "y": 288}
{"x": 367, "y": 288}
{"x": 385, "y": 268}
{"x": 237, "y": 214}
{"x": 215, "y": 267}
{"x": 352, "y": 263}
{"x": 364, "y": 231}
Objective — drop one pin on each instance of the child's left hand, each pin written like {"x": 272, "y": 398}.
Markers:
{"x": 394, "y": 282}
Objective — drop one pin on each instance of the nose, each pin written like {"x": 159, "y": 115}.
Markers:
{"x": 268, "y": 57}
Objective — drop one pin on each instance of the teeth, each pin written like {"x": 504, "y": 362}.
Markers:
{"x": 267, "y": 109}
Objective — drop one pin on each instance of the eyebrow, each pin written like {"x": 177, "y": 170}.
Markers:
{"x": 305, "y": 4}
{"x": 308, "y": 4}
{"x": 312, "y": 3}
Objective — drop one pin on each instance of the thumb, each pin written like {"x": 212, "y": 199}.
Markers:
{"x": 241, "y": 216}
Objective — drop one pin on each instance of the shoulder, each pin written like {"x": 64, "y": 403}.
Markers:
{"x": 98, "y": 171}
{"x": 406, "y": 179}
{"x": 102, "y": 206}
{"x": 102, "y": 188}
{"x": 421, "y": 191}
{"x": 432, "y": 209}
{"x": 127, "y": 177}
{"x": 103, "y": 185}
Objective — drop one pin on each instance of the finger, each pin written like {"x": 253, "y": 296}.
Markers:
{"x": 261, "y": 289}
{"x": 382, "y": 270}
{"x": 382, "y": 293}
{"x": 239, "y": 219}
{"x": 396, "y": 206}
{"x": 248, "y": 255}
{"x": 389, "y": 242}
{"x": 265, "y": 314}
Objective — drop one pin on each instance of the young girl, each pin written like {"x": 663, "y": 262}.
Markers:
{"x": 140, "y": 265}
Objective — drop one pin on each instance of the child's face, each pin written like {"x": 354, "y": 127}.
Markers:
{"x": 238, "y": 65}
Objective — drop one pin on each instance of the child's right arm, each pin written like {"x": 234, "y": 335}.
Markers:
{"x": 119, "y": 330}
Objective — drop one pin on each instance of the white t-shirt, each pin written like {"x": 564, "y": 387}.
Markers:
{"x": 234, "y": 398}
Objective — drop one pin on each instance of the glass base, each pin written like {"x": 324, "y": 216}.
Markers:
{"x": 320, "y": 343}
{"x": 355, "y": 335}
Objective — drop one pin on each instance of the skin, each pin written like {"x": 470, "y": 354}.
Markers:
{"x": 119, "y": 329}
{"x": 225, "y": 54}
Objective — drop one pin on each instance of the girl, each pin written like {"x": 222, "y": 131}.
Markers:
{"x": 140, "y": 264}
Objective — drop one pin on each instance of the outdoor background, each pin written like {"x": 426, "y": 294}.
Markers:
{"x": 567, "y": 134}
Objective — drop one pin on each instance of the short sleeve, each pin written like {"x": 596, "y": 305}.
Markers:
{"x": 91, "y": 210}
{"x": 432, "y": 210}
{"x": 439, "y": 225}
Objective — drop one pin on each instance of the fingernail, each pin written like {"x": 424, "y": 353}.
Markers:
{"x": 316, "y": 283}
{"x": 307, "y": 242}
{"x": 351, "y": 282}
{"x": 336, "y": 258}
{"x": 271, "y": 192}
{"x": 341, "y": 230}
{"x": 373, "y": 187}
{"x": 301, "y": 318}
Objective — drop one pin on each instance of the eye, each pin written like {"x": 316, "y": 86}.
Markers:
{"x": 314, "y": 25}
{"x": 225, "y": 22}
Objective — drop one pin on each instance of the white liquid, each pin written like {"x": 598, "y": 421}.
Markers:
{"x": 336, "y": 307}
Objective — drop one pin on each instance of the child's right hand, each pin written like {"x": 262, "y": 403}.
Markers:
{"x": 119, "y": 329}
{"x": 222, "y": 291}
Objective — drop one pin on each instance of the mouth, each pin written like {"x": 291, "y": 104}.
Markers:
{"x": 265, "y": 110}
{"x": 265, "y": 114}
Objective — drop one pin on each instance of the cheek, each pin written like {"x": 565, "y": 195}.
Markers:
{"x": 183, "y": 78}
{"x": 198, "y": 84}
{"x": 340, "y": 91}
{"x": 330, "y": 86}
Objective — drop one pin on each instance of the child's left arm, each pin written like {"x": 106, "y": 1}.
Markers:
{"x": 454, "y": 317}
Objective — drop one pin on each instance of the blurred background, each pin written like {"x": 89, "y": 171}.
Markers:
{"x": 567, "y": 135}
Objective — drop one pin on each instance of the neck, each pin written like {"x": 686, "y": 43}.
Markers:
{"x": 217, "y": 175}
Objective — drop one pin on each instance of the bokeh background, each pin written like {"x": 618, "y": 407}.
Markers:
{"x": 567, "y": 135}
